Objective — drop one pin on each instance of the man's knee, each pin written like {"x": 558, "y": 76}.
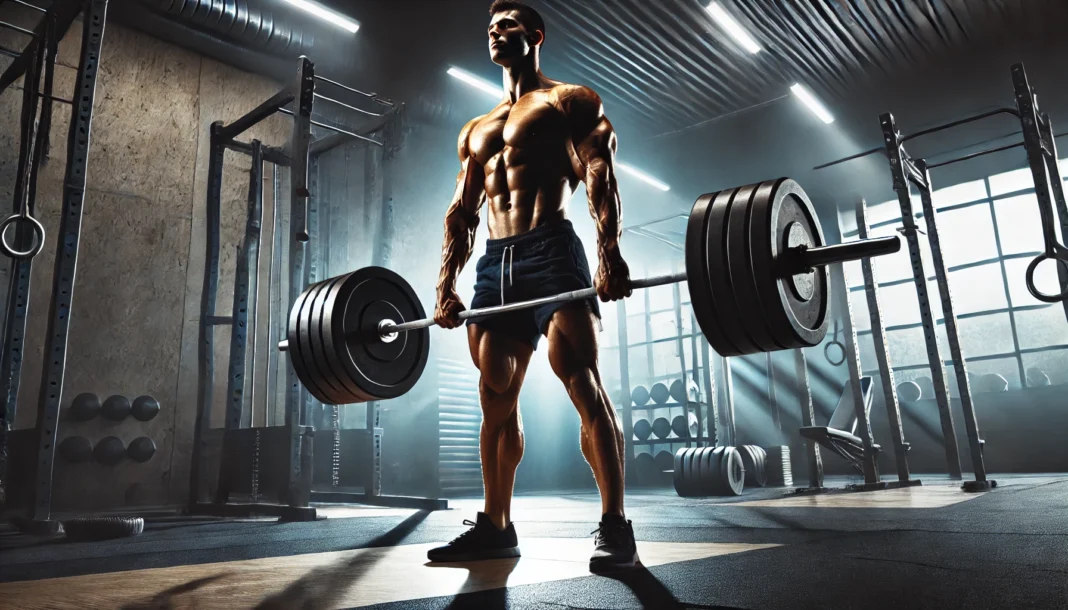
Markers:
{"x": 497, "y": 375}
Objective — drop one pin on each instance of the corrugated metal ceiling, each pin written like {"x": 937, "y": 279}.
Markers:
{"x": 669, "y": 64}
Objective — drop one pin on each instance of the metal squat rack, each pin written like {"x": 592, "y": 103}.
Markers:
{"x": 37, "y": 60}
{"x": 251, "y": 463}
{"x": 1039, "y": 143}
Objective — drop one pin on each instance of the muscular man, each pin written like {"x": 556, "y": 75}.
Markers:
{"x": 523, "y": 161}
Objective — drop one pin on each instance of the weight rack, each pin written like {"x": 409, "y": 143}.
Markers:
{"x": 250, "y": 462}
{"x": 703, "y": 375}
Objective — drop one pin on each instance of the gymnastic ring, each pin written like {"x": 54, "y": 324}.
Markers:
{"x": 827, "y": 352}
{"x": 1062, "y": 259}
{"x": 38, "y": 230}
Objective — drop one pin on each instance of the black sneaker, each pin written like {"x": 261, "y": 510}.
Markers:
{"x": 614, "y": 545}
{"x": 482, "y": 541}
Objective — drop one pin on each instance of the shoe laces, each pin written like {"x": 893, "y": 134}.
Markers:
{"x": 610, "y": 533}
{"x": 467, "y": 533}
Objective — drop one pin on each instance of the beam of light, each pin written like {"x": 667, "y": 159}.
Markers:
{"x": 623, "y": 167}
{"x": 476, "y": 82}
{"x": 326, "y": 14}
{"x": 813, "y": 104}
{"x": 733, "y": 28}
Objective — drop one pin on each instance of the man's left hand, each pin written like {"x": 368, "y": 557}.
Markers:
{"x": 613, "y": 279}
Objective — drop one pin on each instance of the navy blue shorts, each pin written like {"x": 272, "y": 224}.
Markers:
{"x": 542, "y": 262}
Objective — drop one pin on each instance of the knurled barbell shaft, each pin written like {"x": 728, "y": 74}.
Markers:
{"x": 799, "y": 260}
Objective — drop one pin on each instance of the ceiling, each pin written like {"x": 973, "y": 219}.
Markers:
{"x": 671, "y": 66}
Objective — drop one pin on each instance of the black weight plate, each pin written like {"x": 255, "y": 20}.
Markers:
{"x": 714, "y": 476}
{"x": 701, "y": 471}
{"x": 678, "y": 391}
{"x": 640, "y": 395}
{"x": 642, "y": 429}
{"x": 689, "y": 465}
{"x": 296, "y": 356}
{"x": 332, "y": 382}
{"x": 660, "y": 393}
{"x": 329, "y": 363}
{"x": 780, "y": 206}
{"x": 334, "y": 309}
{"x": 664, "y": 461}
{"x": 698, "y": 279}
{"x": 318, "y": 385}
{"x": 717, "y": 248}
{"x": 709, "y": 470}
{"x": 644, "y": 466}
{"x": 740, "y": 263}
{"x": 678, "y": 474}
{"x": 661, "y": 427}
{"x": 380, "y": 369}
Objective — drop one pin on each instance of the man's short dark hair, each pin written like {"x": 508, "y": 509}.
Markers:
{"x": 528, "y": 17}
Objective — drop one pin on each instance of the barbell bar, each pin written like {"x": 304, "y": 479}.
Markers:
{"x": 806, "y": 260}
{"x": 755, "y": 270}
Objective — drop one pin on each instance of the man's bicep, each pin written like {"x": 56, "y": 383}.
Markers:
{"x": 598, "y": 146}
{"x": 470, "y": 185}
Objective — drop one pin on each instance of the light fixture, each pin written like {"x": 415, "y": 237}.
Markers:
{"x": 326, "y": 14}
{"x": 623, "y": 167}
{"x": 813, "y": 104}
{"x": 476, "y": 82}
{"x": 733, "y": 27}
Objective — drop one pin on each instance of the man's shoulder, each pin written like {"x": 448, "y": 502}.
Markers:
{"x": 577, "y": 97}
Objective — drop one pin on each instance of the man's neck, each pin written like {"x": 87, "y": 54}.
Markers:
{"x": 520, "y": 78}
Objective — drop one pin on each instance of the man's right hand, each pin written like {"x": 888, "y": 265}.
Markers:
{"x": 447, "y": 313}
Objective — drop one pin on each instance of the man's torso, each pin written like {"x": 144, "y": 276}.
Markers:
{"x": 528, "y": 157}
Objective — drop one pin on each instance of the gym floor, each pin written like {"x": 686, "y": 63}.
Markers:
{"x": 933, "y": 546}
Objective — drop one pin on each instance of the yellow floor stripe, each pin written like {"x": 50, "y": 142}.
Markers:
{"x": 333, "y": 580}
{"x": 927, "y": 496}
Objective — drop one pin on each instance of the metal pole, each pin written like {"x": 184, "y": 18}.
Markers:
{"x": 274, "y": 300}
{"x": 808, "y": 418}
{"x": 21, "y": 269}
{"x": 840, "y": 287}
{"x": 237, "y": 416}
{"x": 732, "y": 431}
{"x": 708, "y": 371}
{"x": 70, "y": 224}
{"x": 624, "y": 398}
{"x": 300, "y": 141}
{"x": 208, "y": 295}
{"x": 882, "y": 355}
{"x": 960, "y": 368}
{"x": 899, "y": 164}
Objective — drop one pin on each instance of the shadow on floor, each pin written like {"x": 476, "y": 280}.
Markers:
{"x": 326, "y": 587}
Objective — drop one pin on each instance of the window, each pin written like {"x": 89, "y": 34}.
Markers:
{"x": 990, "y": 230}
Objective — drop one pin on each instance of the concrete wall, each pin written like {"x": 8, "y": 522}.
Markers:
{"x": 135, "y": 312}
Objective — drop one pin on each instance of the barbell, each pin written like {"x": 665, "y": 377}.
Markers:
{"x": 755, "y": 261}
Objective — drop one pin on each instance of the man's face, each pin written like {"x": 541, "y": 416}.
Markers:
{"x": 508, "y": 39}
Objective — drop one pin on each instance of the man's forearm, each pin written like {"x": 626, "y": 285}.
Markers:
{"x": 456, "y": 249}
{"x": 605, "y": 208}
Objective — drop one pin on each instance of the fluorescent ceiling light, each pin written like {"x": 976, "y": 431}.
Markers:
{"x": 326, "y": 14}
{"x": 476, "y": 82}
{"x": 643, "y": 177}
{"x": 733, "y": 27}
{"x": 813, "y": 104}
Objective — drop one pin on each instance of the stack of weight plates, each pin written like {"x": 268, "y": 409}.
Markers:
{"x": 754, "y": 460}
{"x": 708, "y": 471}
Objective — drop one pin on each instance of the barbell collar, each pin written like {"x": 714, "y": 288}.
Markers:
{"x": 803, "y": 259}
